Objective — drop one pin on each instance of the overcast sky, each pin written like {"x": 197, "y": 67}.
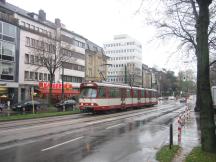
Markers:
{"x": 99, "y": 20}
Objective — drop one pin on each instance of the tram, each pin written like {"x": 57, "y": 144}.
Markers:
{"x": 99, "y": 96}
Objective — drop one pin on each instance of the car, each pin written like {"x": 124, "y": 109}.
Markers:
{"x": 160, "y": 98}
{"x": 182, "y": 100}
{"x": 66, "y": 103}
{"x": 171, "y": 98}
{"x": 2, "y": 106}
{"x": 27, "y": 106}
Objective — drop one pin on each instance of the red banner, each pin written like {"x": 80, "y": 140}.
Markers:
{"x": 46, "y": 85}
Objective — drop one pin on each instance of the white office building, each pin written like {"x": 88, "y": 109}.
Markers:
{"x": 125, "y": 59}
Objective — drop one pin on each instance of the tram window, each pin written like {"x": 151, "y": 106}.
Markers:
{"x": 146, "y": 94}
{"x": 135, "y": 93}
{"x": 112, "y": 92}
{"x": 88, "y": 93}
{"x": 128, "y": 93}
{"x": 123, "y": 93}
{"x": 150, "y": 94}
{"x": 101, "y": 92}
{"x": 117, "y": 90}
{"x": 143, "y": 93}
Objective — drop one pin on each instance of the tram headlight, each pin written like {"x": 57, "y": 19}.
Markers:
{"x": 92, "y": 104}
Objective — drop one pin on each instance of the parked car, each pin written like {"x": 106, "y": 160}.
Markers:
{"x": 2, "y": 106}
{"x": 67, "y": 103}
{"x": 182, "y": 100}
{"x": 27, "y": 106}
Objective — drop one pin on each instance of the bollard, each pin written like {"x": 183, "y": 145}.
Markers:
{"x": 171, "y": 136}
{"x": 180, "y": 124}
{"x": 179, "y": 134}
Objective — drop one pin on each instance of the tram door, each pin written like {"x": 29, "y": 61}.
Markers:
{"x": 129, "y": 99}
{"x": 139, "y": 96}
{"x": 123, "y": 97}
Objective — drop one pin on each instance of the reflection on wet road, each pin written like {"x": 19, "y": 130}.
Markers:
{"x": 135, "y": 138}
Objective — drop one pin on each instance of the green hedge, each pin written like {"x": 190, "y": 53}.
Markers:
{"x": 165, "y": 154}
{"x": 197, "y": 155}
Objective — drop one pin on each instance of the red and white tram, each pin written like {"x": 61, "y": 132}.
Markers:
{"x": 95, "y": 97}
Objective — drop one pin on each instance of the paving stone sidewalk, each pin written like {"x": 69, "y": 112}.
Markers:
{"x": 190, "y": 137}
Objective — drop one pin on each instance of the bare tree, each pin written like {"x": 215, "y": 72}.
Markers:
{"x": 193, "y": 23}
{"x": 51, "y": 56}
{"x": 207, "y": 124}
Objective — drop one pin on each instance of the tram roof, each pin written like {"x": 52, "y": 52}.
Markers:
{"x": 105, "y": 84}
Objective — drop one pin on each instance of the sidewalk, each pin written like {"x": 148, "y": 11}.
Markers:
{"x": 190, "y": 137}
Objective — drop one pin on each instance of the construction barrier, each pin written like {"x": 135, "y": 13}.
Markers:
{"x": 181, "y": 121}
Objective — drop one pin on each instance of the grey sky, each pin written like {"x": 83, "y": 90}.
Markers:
{"x": 99, "y": 20}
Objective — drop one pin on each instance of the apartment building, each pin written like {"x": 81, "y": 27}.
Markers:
{"x": 22, "y": 35}
{"x": 125, "y": 59}
{"x": 96, "y": 63}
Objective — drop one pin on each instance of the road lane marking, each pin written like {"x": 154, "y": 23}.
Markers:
{"x": 113, "y": 126}
{"x": 60, "y": 144}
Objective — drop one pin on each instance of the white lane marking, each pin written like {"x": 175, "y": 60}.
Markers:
{"x": 113, "y": 126}
{"x": 62, "y": 143}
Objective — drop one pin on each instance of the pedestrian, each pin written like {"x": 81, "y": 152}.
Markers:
{"x": 8, "y": 104}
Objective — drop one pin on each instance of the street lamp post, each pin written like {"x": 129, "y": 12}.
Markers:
{"x": 62, "y": 82}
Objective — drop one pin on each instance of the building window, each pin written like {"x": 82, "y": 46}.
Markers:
{"x": 27, "y": 25}
{"x": 9, "y": 30}
{"x": 31, "y": 75}
{"x": 7, "y": 71}
{"x": 40, "y": 76}
{"x": 32, "y": 27}
{"x": 26, "y": 75}
{"x": 22, "y": 23}
{"x": 36, "y": 60}
{"x": 27, "y": 41}
{"x": 27, "y": 58}
{"x": 36, "y": 75}
{"x": 32, "y": 59}
{"x": 33, "y": 42}
{"x": 7, "y": 51}
{"x": 45, "y": 77}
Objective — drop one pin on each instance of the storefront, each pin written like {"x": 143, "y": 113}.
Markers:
{"x": 69, "y": 90}
{"x": 8, "y": 92}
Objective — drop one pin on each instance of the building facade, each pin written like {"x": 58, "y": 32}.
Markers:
{"x": 125, "y": 59}
{"x": 9, "y": 55}
{"x": 96, "y": 63}
{"x": 22, "y": 33}
{"x": 146, "y": 77}
{"x": 73, "y": 46}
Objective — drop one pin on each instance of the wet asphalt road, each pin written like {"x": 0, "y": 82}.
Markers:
{"x": 134, "y": 136}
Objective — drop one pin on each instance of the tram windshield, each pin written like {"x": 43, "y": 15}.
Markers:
{"x": 88, "y": 93}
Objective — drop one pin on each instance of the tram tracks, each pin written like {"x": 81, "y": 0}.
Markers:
{"x": 86, "y": 117}
{"x": 37, "y": 132}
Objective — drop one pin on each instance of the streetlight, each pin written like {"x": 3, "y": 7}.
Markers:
{"x": 62, "y": 81}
